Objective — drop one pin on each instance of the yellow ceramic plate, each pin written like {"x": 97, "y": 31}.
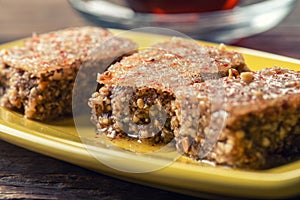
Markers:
{"x": 61, "y": 140}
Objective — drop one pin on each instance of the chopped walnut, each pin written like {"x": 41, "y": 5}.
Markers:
{"x": 247, "y": 77}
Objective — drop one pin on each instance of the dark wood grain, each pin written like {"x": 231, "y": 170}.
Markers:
{"x": 28, "y": 175}
{"x": 284, "y": 39}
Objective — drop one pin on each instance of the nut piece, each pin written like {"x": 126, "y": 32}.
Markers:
{"x": 258, "y": 94}
{"x": 222, "y": 47}
{"x": 233, "y": 73}
{"x": 266, "y": 142}
{"x": 135, "y": 119}
{"x": 247, "y": 77}
{"x": 186, "y": 144}
{"x": 140, "y": 103}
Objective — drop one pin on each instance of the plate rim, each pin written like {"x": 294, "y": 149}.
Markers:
{"x": 283, "y": 181}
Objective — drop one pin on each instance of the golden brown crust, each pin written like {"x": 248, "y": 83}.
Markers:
{"x": 261, "y": 128}
{"x": 260, "y": 110}
{"x": 186, "y": 59}
{"x": 42, "y": 54}
{"x": 165, "y": 70}
{"x": 38, "y": 77}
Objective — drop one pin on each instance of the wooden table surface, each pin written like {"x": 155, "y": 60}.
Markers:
{"x": 28, "y": 175}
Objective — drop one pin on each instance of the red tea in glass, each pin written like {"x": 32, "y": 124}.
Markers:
{"x": 180, "y": 6}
